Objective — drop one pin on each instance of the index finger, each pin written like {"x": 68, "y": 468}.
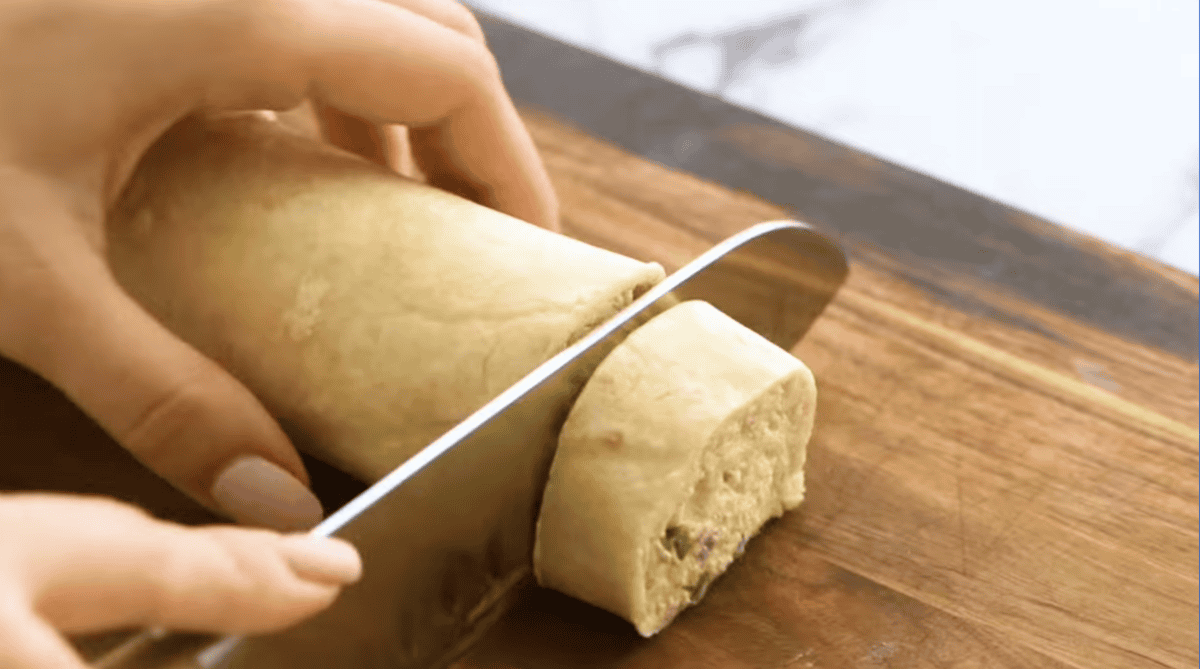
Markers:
{"x": 388, "y": 64}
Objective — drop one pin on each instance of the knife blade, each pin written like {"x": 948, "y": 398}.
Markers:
{"x": 446, "y": 538}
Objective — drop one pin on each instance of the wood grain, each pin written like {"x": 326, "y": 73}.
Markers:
{"x": 992, "y": 483}
{"x": 973, "y": 500}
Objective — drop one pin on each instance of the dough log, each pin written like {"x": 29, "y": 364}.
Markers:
{"x": 690, "y": 435}
{"x": 369, "y": 313}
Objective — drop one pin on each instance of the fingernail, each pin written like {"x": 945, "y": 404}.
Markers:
{"x": 256, "y": 491}
{"x": 322, "y": 560}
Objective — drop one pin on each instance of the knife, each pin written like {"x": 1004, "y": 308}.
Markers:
{"x": 446, "y": 538}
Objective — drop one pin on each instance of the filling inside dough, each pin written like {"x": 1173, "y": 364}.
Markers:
{"x": 743, "y": 471}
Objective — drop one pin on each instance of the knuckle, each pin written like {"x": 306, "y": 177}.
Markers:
{"x": 201, "y": 578}
{"x": 472, "y": 80}
{"x": 463, "y": 20}
{"x": 177, "y": 415}
{"x": 480, "y": 66}
{"x": 262, "y": 60}
{"x": 164, "y": 588}
{"x": 253, "y": 590}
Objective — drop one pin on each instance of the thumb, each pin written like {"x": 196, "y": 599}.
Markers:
{"x": 63, "y": 315}
{"x": 28, "y": 642}
{"x": 91, "y": 564}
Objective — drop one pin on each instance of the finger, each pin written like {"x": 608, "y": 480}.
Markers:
{"x": 387, "y": 64}
{"x": 107, "y": 565}
{"x": 369, "y": 140}
{"x": 28, "y": 642}
{"x": 399, "y": 151}
{"x": 453, "y": 15}
{"x": 388, "y": 144}
{"x": 302, "y": 119}
{"x": 63, "y": 315}
{"x": 383, "y": 144}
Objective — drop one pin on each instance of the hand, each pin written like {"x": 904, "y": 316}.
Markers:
{"x": 86, "y": 86}
{"x": 75, "y": 565}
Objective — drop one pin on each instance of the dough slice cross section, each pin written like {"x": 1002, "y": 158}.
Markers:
{"x": 688, "y": 438}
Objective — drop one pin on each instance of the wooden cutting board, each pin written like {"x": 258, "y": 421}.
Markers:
{"x": 982, "y": 493}
{"x": 984, "y": 490}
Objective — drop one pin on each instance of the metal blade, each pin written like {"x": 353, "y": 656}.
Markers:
{"x": 447, "y": 537}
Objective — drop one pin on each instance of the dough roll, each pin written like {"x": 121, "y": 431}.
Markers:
{"x": 690, "y": 435}
{"x": 368, "y": 312}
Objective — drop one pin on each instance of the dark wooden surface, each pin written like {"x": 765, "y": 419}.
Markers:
{"x": 982, "y": 492}
{"x": 1004, "y": 470}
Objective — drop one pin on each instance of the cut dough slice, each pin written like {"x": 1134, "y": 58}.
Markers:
{"x": 690, "y": 435}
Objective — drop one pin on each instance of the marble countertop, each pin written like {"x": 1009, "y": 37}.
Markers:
{"x": 1081, "y": 112}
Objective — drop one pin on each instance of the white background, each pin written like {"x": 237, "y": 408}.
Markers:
{"x": 1083, "y": 112}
